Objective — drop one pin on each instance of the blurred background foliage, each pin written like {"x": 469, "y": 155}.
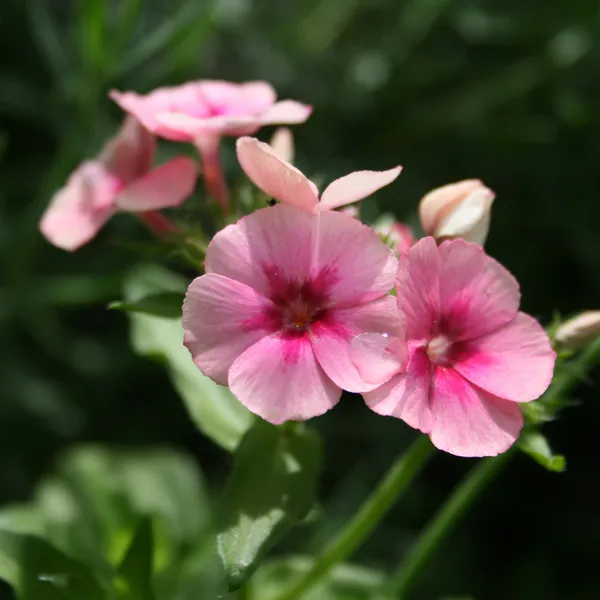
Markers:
{"x": 504, "y": 91}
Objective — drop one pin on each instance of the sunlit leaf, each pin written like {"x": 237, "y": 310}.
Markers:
{"x": 272, "y": 488}
{"x": 39, "y": 571}
{"x": 213, "y": 408}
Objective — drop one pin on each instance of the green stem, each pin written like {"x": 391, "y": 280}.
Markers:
{"x": 369, "y": 515}
{"x": 444, "y": 521}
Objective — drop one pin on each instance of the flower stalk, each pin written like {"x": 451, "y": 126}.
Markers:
{"x": 209, "y": 147}
{"x": 369, "y": 515}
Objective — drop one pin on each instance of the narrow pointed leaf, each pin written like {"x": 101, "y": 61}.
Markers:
{"x": 135, "y": 571}
{"x": 535, "y": 445}
{"x": 162, "y": 304}
{"x": 272, "y": 488}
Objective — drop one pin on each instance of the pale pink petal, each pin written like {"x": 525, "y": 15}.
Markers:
{"x": 193, "y": 127}
{"x": 356, "y": 186}
{"x": 274, "y": 176}
{"x": 360, "y": 266}
{"x": 129, "y": 154}
{"x": 331, "y": 337}
{"x": 467, "y": 421}
{"x": 79, "y": 210}
{"x": 266, "y": 250}
{"x": 478, "y": 294}
{"x": 515, "y": 362}
{"x": 147, "y": 108}
{"x": 166, "y": 186}
{"x": 286, "y": 112}
{"x": 221, "y": 319}
{"x": 378, "y": 356}
{"x": 280, "y": 380}
{"x": 406, "y": 395}
{"x": 282, "y": 143}
{"x": 437, "y": 204}
{"x": 227, "y": 98}
{"x": 417, "y": 290}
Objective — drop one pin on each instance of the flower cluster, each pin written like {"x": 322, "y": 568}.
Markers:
{"x": 300, "y": 301}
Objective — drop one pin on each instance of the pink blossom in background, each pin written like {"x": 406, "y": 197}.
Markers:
{"x": 214, "y": 108}
{"x": 203, "y": 112}
{"x": 284, "y": 294}
{"x": 399, "y": 236}
{"x": 284, "y": 182}
{"x": 121, "y": 178}
{"x": 472, "y": 354}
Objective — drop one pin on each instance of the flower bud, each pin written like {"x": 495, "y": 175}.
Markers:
{"x": 282, "y": 143}
{"x": 398, "y": 236}
{"x": 579, "y": 330}
{"x": 458, "y": 210}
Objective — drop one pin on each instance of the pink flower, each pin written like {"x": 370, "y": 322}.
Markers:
{"x": 284, "y": 294}
{"x": 282, "y": 181}
{"x": 215, "y": 108}
{"x": 120, "y": 179}
{"x": 471, "y": 354}
{"x": 399, "y": 236}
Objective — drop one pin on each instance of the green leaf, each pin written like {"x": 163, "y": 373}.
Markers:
{"x": 213, "y": 408}
{"x": 39, "y": 571}
{"x": 134, "y": 581}
{"x": 272, "y": 488}
{"x": 162, "y": 304}
{"x": 343, "y": 582}
{"x": 535, "y": 444}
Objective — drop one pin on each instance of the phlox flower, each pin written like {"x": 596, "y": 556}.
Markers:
{"x": 121, "y": 178}
{"x": 284, "y": 294}
{"x": 472, "y": 356}
{"x": 399, "y": 236}
{"x": 284, "y": 182}
{"x": 202, "y": 112}
{"x": 215, "y": 108}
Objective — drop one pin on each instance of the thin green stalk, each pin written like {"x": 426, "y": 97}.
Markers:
{"x": 369, "y": 515}
{"x": 444, "y": 521}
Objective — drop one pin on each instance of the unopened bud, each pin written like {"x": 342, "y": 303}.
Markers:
{"x": 352, "y": 210}
{"x": 282, "y": 143}
{"x": 398, "y": 236}
{"x": 579, "y": 330}
{"x": 458, "y": 210}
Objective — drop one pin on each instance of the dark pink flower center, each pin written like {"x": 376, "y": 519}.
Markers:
{"x": 298, "y": 304}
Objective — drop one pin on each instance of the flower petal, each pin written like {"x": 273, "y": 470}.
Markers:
{"x": 360, "y": 266}
{"x": 515, "y": 362}
{"x": 417, "y": 289}
{"x": 331, "y": 338}
{"x": 356, "y": 186}
{"x": 406, "y": 395}
{"x": 280, "y": 380}
{"x": 265, "y": 250}
{"x": 286, "y": 112}
{"x": 79, "y": 210}
{"x": 274, "y": 176}
{"x": 129, "y": 154}
{"x": 166, "y": 186}
{"x": 468, "y": 421}
{"x": 229, "y": 98}
{"x": 221, "y": 319}
{"x": 378, "y": 356}
{"x": 478, "y": 294}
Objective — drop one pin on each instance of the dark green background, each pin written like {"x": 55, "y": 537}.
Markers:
{"x": 504, "y": 91}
